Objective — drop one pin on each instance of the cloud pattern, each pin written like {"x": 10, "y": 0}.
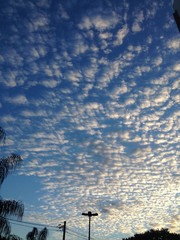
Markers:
{"x": 90, "y": 99}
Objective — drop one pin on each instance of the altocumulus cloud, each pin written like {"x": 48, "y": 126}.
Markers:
{"x": 90, "y": 100}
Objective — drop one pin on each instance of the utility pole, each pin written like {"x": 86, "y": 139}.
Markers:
{"x": 64, "y": 230}
{"x": 90, "y": 214}
{"x": 63, "y": 227}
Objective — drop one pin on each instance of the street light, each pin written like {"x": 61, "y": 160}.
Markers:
{"x": 90, "y": 214}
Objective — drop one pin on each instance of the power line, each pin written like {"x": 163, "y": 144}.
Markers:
{"x": 77, "y": 235}
{"x": 50, "y": 228}
{"x": 25, "y": 223}
{"x": 22, "y": 225}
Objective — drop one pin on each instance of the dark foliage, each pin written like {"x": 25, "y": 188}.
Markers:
{"x": 11, "y": 237}
{"x": 14, "y": 237}
{"x": 11, "y": 207}
{"x": 162, "y": 234}
{"x": 8, "y": 207}
{"x": 35, "y": 235}
{"x": 4, "y": 227}
{"x": 8, "y": 164}
{"x": 43, "y": 234}
{"x": 2, "y": 135}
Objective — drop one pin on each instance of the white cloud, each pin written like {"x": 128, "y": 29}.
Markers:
{"x": 137, "y": 48}
{"x": 40, "y": 21}
{"x": 99, "y": 22}
{"x": 17, "y": 100}
{"x": 74, "y": 76}
{"x": 50, "y": 83}
{"x": 39, "y": 113}
{"x": 129, "y": 101}
{"x": 174, "y": 44}
{"x": 164, "y": 80}
{"x": 63, "y": 13}
{"x": 139, "y": 70}
{"x": 162, "y": 96}
{"x": 136, "y": 27}
{"x": 8, "y": 118}
{"x": 80, "y": 48}
{"x": 177, "y": 67}
{"x": 158, "y": 61}
{"x": 152, "y": 9}
{"x": 120, "y": 35}
{"x": 105, "y": 35}
{"x": 176, "y": 84}
{"x": 119, "y": 90}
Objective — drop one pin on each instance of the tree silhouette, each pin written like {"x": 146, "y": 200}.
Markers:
{"x": 35, "y": 235}
{"x": 11, "y": 237}
{"x": 2, "y": 135}
{"x": 43, "y": 234}
{"x": 8, "y": 207}
{"x": 162, "y": 234}
{"x": 12, "y": 207}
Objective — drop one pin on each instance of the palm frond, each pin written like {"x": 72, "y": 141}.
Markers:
{"x": 14, "y": 237}
{"x": 43, "y": 234}
{"x": 33, "y": 234}
{"x": 8, "y": 164}
{"x": 2, "y": 135}
{"x": 8, "y": 207}
{"x": 5, "y": 227}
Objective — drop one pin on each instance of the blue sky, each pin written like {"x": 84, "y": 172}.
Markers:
{"x": 90, "y": 100}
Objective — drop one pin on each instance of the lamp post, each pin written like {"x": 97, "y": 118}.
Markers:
{"x": 90, "y": 214}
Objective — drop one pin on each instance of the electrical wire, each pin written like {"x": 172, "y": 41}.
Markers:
{"x": 77, "y": 235}
{"x": 25, "y": 223}
{"x": 74, "y": 232}
{"x": 50, "y": 228}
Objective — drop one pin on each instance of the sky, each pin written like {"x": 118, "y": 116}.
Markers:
{"x": 89, "y": 97}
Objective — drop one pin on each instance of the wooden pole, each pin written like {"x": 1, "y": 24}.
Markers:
{"x": 64, "y": 230}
